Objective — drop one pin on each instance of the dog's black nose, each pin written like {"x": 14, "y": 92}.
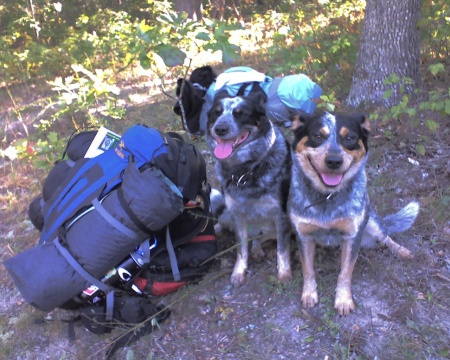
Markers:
{"x": 221, "y": 130}
{"x": 333, "y": 161}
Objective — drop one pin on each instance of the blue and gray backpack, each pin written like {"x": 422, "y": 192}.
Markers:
{"x": 297, "y": 92}
{"x": 118, "y": 221}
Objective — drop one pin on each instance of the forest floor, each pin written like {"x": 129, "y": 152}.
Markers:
{"x": 402, "y": 306}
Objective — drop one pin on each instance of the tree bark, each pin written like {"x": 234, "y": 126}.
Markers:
{"x": 225, "y": 9}
{"x": 389, "y": 43}
{"x": 192, "y": 7}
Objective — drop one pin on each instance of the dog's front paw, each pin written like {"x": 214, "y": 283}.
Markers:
{"x": 237, "y": 279}
{"x": 344, "y": 303}
{"x": 285, "y": 276}
{"x": 239, "y": 270}
{"x": 284, "y": 269}
{"x": 403, "y": 253}
{"x": 309, "y": 299}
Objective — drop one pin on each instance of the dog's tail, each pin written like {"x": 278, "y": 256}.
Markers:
{"x": 402, "y": 220}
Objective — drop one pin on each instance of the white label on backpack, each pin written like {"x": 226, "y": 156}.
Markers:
{"x": 104, "y": 140}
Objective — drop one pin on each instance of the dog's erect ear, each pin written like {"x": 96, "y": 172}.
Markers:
{"x": 365, "y": 124}
{"x": 298, "y": 119}
{"x": 257, "y": 94}
{"x": 221, "y": 95}
{"x": 186, "y": 97}
{"x": 204, "y": 76}
{"x": 192, "y": 99}
{"x": 259, "y": 97}
{"x": 179, "y": 86}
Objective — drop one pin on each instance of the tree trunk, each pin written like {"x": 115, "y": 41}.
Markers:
{"x": 225, "y": 9}
{"x": 389, "y": 43}
{"x": 192, "y": 7}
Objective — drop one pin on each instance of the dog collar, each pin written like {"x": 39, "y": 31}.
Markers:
{"x": 198, "y": 86}
{"x": 239, "y": 181}
{"x": 328, "y": 197}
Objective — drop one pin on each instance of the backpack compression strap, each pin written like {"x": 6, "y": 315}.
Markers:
{"x": 108, "y": 290}
{"x": 113, "y": 221}
{"x": 170, "y": 249}
{"x": 172, "y": 256}
{"x": 131, "y": 213}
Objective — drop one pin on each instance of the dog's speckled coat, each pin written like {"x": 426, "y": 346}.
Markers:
{"x": 253, "y": 167}
{"x": 328, "y": 201}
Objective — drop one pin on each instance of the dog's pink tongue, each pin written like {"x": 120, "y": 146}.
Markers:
{"x": 224, "y": 148}
{"x": 331, "y": 179}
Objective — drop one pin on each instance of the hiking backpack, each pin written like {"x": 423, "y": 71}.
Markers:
{"x": 119, "y": 220}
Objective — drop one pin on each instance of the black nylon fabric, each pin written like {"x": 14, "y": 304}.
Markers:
{"x": 35, "y": 213}
{"x": 79, "y": 144}
{"x": 98, "y": 245}
{"x": 183, "y": 165}
{"x": 55, "y": 178}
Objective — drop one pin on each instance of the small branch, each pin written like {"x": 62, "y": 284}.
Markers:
{"x": 183, "y": 113}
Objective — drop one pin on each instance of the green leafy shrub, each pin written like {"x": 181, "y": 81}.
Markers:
{"x": 430, "y": 111}
{"x": 90, "y": 91}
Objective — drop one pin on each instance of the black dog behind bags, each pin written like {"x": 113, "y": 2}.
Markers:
{"x": 192, "y": 93}
{"x": 284, "y": 94}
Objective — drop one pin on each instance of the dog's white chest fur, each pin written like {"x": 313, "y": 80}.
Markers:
{"x": 253, "y": 210}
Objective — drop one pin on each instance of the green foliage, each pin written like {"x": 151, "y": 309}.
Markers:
{"x": 176, "y": 38}
{"x": 104, "y": 40}
{"x": 328, "y": 102}
{"x": 43, "y": 153}
{"x": 316, "y": 39}
{"x": 435, "y": 30}
{"x": 430, "y": 112}
{"x": 91, "y": 92}
{"x": 319, "y": 38}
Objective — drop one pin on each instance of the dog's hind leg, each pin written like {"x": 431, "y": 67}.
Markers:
{"x": 396, "y": 248}
{"x": 258, "y": 239}
{"x": 373, "y": 233}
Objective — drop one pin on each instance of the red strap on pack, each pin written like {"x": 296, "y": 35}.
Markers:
{"x": 164, "y": 288}
{"x": 140, "y": 283}
{"x": 202, "y": 238}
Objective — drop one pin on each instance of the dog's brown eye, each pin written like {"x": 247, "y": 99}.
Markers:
{"x": 350, "y": 140}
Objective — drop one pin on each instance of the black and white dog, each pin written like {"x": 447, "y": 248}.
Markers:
{"x": 253, "y": 168}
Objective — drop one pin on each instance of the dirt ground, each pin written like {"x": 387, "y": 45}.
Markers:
{"x": 402, "y": 307}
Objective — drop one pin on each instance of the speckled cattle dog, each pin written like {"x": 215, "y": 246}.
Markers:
{"x": 253, "y": 167}
{"x": 328, "y": 201}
